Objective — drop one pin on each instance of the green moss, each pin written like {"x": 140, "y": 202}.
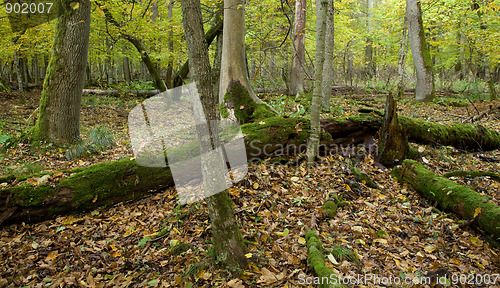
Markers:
{"x": 245, "y": 108}
{"x": 316, "y": 260}
{"x": 360, "y": 176}
{"x": 473, "y": 174}
{"x": 223, "y": 111}
{"x": 330, "y": 208}
{"x": 451, "y": 196}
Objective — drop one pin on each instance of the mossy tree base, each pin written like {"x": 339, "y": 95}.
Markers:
{"x": 464, "y": 202}
{"x": 473, "y": 174}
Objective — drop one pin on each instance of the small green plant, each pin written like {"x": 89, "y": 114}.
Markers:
{"x": 138, "y": 85}
{"x": 100, "y": 139}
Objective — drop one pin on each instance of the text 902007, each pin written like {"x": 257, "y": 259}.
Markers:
{"x": 29, "y": 8}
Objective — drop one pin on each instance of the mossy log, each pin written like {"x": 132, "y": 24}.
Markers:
{"x": 355, "y": 128}
{"x": 326, "y": 277}
{"x": 85, "y": 189}
{"x": 464, "y": 202}
{"x": 124, "y": 180}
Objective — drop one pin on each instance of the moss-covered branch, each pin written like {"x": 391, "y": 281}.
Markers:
{"x": 316, "y": 260}
{"x": 472, "y": 174}
{"x": 452, "y": 197}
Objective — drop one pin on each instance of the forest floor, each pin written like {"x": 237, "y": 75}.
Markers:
{"x": 393, "y": 231}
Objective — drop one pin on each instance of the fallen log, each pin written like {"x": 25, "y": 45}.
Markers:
{"x": 473, "y": 174}
{"x": 83, "y": 190}
{"x": 464, "y": 202}
{"x": 118, "y": 93}
{"x": 124, "y": 180}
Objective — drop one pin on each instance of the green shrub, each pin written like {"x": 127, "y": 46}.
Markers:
{"x": 99, "y": 139}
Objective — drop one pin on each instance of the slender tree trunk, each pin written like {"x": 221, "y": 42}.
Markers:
{"x": 228, "y": 242}
{"x": 296, "y": 79}
{"x": 313, "y": 144}
{"x": 402, "y": 60}
{"x": 36, "y": 70}
{"x": 326, "y": 84}
{"x": 233, "y": 66}
{"x": 422, "y": 61}
{"x": 218, "y": 50}
{"x": 170, "y": 65}
{"x": 59, "y": 111}
{"x": 19, "y": 74}
{"x": 126, "y": 67}
{"x": 370, "y": 65}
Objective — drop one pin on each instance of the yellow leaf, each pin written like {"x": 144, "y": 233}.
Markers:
{"x": 396, "y": 261}
{"x": 116, "y": 254}
{"x": 474, "y": 240}
{"x": 95, "y": 198}
{"x": 283, "y": 234}
{"x": 175, "y": 229}
{"x": 51, "y": 256}
{"x": 174, "y": 242}
{"x": 113, "y": 247}
{"x": 255, "y": 185}
{"x": 74, "y": 5}
{"x": 129, "y": 231}
{"x": 429, "y": 248}
{"x": 248, "y": 255}
{"x": 242, "y": 107}
{"x": 302, "y": 241}
{"x": 477, "y": 211}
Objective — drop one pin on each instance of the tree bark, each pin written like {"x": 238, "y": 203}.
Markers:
{"x": 313, "y": 144}
{"x": 464, "y": 202}
{"x": 422, "y": 61}
{"x": 326, "y": 83}
{"x": 296, "y": 79}
{"x": 370, "y": 65}
{"x": 402, "y": 59}
{"x": 393, "y": 144}
{"x": 233, "y": 66}
{"x": 60, "y": 103}
{"x": 228, "y": 242}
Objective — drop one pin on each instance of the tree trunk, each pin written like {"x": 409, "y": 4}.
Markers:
{"x": 422, "y": 61}
{"x": 402, "y": 60}
{"x": 126, "y": 69}
{"x": 296, "y": 79}
{"x": 59, "y": 111}
{"x": 464, "y": 202}
{"x": 228, "y": 242}
{"x": 370, "y": 65}
{"x": 36, "y": 70}
{"x": 233, "y": 66}
{"x": 17, "y": 66}
{"x": 313, "y": 144}
{"x": 170, "y": 65}
{"x": 326, "y": 84}
{"x": 393, "y": 144}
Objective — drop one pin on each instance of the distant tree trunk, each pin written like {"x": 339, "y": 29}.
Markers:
{"x": 126, "y": 68}
{"x": 227, "y": 239}
{"x": 402, "y": 60}
{"x": 233, "y": 66}
{"x": 36, "y": 70}
{"x": 370, "y": 65}
{"x": 326, "y": 84}
{"x": 296, "y": 79}
{"x": 170, "y": 65}
{"x": 422, "y": 61}
{"x": 109, "y": 66}
{"x": 313, "y": 144}
{"x": 19, "y": 73}
{"x": 60, "y": 103}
